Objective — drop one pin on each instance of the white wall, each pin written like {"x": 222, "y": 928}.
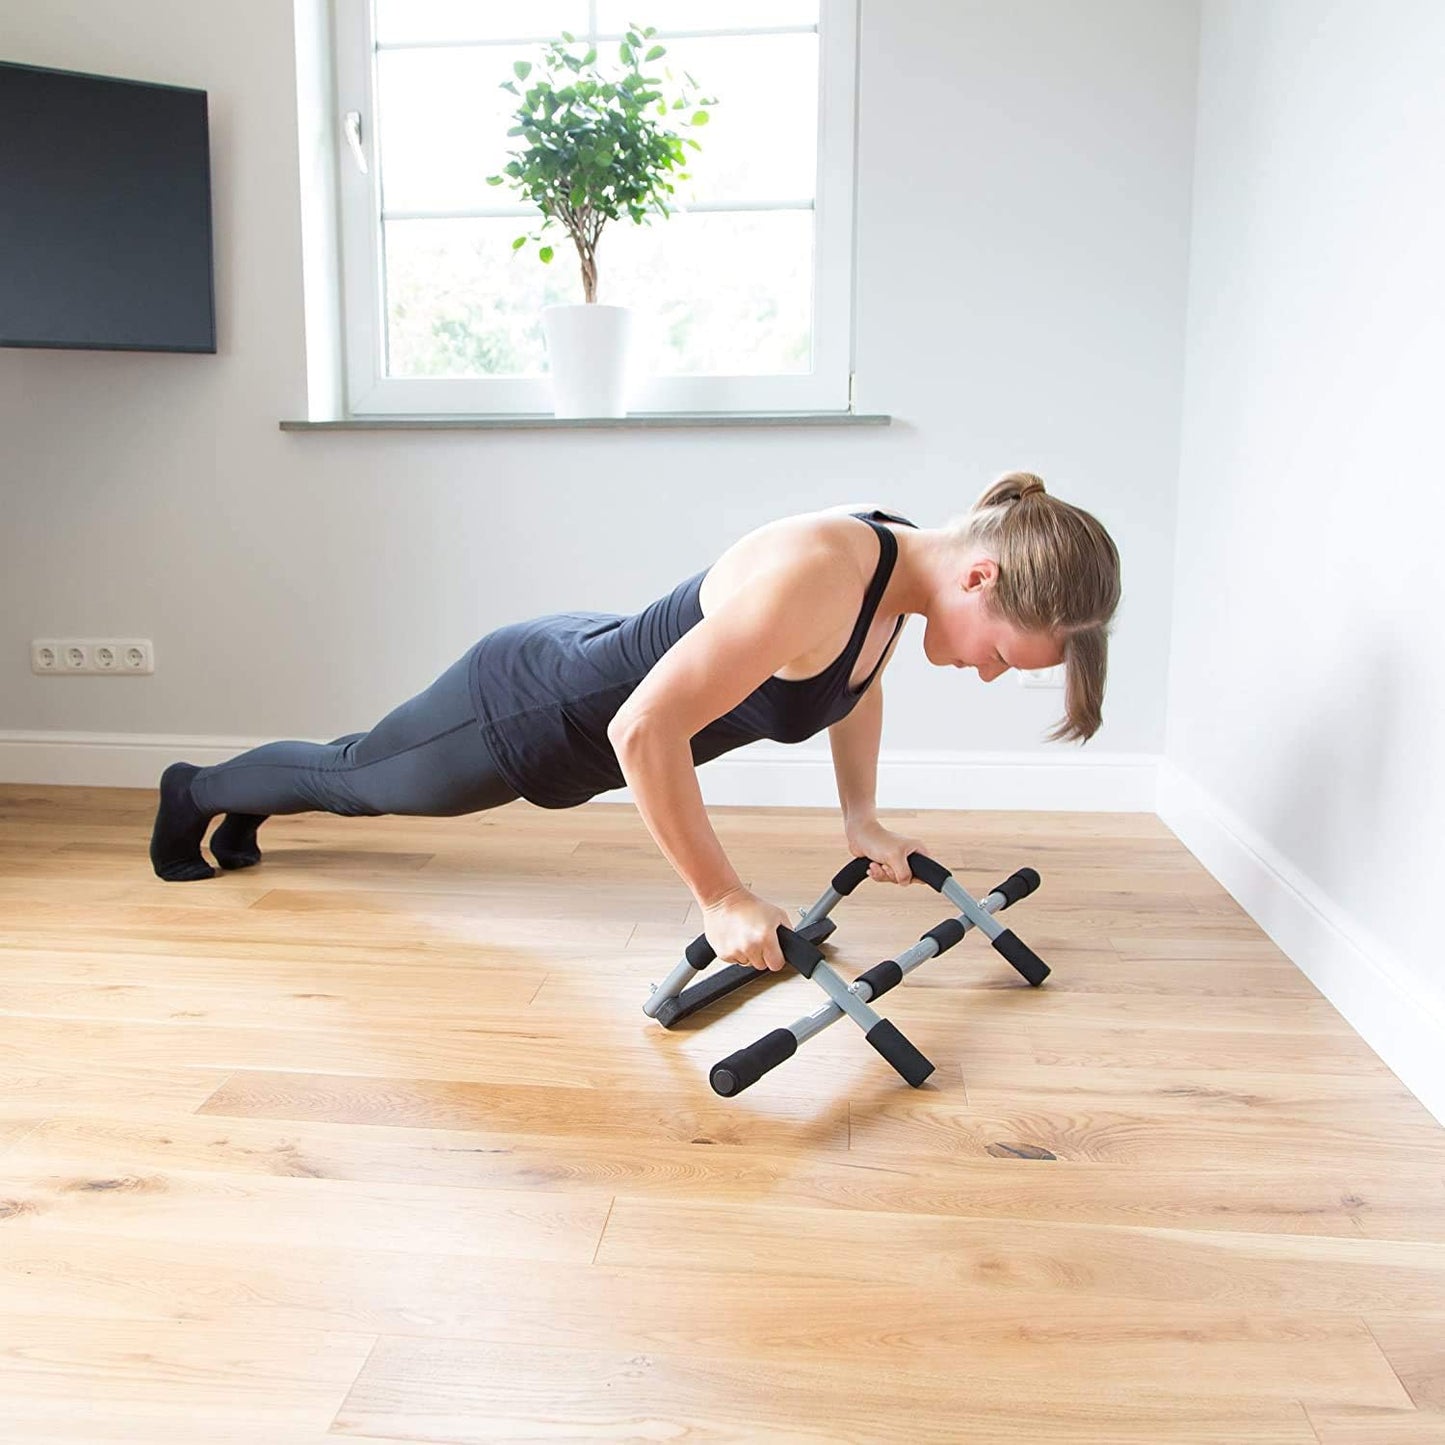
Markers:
{"x": 1024, "y": 177}
{"x": 1307, "y": 686}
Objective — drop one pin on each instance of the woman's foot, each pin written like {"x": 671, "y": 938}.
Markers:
{"x": 233, "y": 844}
{"x": 179, "y": 828}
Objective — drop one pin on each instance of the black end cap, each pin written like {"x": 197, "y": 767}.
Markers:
{"x": 1023, "y": 958}
{"x": 1018, "y": 886}
{"x": 885, "y": 1037}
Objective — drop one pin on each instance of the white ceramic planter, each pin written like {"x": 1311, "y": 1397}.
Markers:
{"x": 588, "y": 352}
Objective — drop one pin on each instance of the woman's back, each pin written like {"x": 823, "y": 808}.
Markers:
{"x": 546, "y": 689}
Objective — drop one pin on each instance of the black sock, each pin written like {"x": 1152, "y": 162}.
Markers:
{"x": 233, "y": 844}
{"x": 179, "y": 828}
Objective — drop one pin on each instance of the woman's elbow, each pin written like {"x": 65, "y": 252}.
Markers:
{"x": 629, "y": 724}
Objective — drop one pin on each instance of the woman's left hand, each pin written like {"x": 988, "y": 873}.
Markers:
{"x": 887, "y": 851}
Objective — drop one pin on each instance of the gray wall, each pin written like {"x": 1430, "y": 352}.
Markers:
{"x": 1024, "y": 183}
{"x": 1307, "y": 691}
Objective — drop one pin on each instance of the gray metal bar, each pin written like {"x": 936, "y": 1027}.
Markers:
{"x": 972, "y": 910}
{"x": 831, "y": 982}
{"x": 821, "y": 909}
{"x": 673, "y": 985}
{"x": 685, "y": 973}
{"x": 814, "y": 1023}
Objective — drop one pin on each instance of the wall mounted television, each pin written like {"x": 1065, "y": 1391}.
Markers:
{"x": 105, "y": 213}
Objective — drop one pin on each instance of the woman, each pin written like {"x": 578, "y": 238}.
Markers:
{"x": 784, "y": 635}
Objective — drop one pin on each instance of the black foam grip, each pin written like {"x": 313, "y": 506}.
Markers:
{"x": 1020, "y": 885}
{"x": 734, "y": 1073}
{"x": 885, "y": 1037}
{"x": 931, "y": 873}
{"x": 1023, "y": 958}
{"x": 881, "y": 977}
{"x": 798, "y": 951}
{"x": 945, "y": 935}
{"x": 798, "y": 948}
{"x": 847, "y": 879}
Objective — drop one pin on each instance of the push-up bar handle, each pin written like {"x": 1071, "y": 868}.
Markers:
{"x": 923, "y": 867}
{"x": 796, "y": 950}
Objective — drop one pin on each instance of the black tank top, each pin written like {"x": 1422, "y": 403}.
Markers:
{"x": 545, "y": 690}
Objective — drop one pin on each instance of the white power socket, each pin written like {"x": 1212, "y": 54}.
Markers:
{"x": 78, "y": 656}
{"x": 1042, "y": 676}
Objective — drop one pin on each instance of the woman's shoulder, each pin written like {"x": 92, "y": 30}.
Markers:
{"x": 830, "y": 544}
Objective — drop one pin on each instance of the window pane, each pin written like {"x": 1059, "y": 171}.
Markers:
{"x": 411, "y": 22}
{"x": 617, "y": 15}
{"x": 761, "y": 139}
{"x": 460, "y": 302}
{"x": 720, "y": 294}
{"x": 715, "y": 293}
{"x": 443, "y": 119}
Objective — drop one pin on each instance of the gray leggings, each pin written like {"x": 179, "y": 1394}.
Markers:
{"x": 426, "y": 758}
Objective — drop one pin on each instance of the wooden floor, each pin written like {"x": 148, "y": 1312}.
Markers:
{"x": 374, "y": 1142}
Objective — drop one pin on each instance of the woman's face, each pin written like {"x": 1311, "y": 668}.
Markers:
{"x": 962, "y": 630}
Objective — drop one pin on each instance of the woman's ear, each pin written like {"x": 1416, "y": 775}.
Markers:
{"x": 981, "y": 575}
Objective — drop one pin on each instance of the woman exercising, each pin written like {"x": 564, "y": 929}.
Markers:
{"x": 784, "y": 635}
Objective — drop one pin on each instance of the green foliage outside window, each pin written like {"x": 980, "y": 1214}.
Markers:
{"x": 597, "y": 148}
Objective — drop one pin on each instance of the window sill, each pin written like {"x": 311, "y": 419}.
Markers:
{"x": 637, "y": 420}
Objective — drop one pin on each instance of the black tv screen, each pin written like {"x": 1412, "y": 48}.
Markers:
{"x": 105, "y": 213}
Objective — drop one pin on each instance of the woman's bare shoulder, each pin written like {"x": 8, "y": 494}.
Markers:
{"x": 829, "y": 530}
{"x": 825, "y": 541}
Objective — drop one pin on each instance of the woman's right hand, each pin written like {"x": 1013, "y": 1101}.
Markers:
{"x": 743, "y": 928}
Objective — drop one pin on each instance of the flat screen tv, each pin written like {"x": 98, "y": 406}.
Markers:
{"x": 105, "y": 213}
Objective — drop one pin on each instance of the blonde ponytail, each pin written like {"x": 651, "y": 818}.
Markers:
{"x": 1058, "y": 573}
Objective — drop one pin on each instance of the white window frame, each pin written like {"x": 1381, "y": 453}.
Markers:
{"x": 827, "y": 388}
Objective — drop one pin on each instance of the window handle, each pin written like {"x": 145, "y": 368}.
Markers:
{"x": 353, "y": 139}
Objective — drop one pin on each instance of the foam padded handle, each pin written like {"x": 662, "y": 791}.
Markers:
{"x": 734, "y": 1073}
{"x": 848, "y": 878}
{"x": 699, "y": 952}
{"x": 798, "y": 951}
{"x": 933, "y": 874}
{"x": 1020, "y": 885}
{"x": 885, "y": 1037}
{"x": 881, "y": 977}
{"x": 1023, "y": 958}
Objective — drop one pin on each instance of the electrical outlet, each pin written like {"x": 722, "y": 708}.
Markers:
{"x": 1042, "y": 676}
{"x": 81, "y": 656}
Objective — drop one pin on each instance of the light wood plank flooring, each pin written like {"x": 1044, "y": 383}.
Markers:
{"x": 374, "y": 1142}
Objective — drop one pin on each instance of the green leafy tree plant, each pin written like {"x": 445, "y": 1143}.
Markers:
{"x": 598, "y": 147}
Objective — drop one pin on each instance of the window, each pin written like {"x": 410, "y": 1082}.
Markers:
{"x": 741, "y": 299}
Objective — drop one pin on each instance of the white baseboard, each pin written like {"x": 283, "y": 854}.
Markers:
{"x": 1370, "y": 986}
{"x": 763, "y": 775}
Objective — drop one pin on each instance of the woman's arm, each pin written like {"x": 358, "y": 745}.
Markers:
{"x": 854, "y": 744}
{"x": 784, "y": 611}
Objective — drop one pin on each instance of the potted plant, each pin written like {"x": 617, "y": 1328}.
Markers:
{"x": 595, "y": 148}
